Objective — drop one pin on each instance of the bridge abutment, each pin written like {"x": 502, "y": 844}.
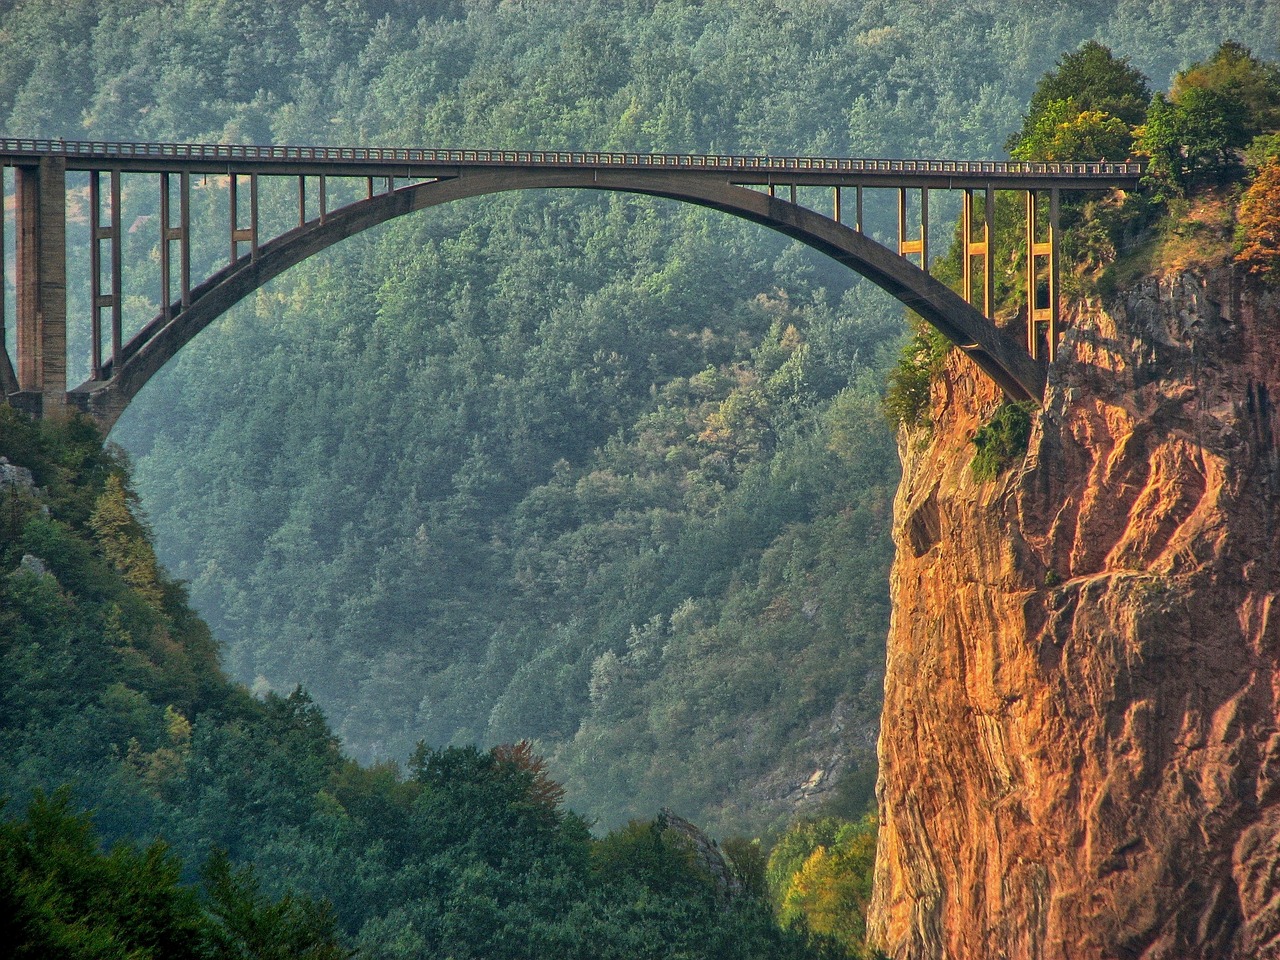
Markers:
{"x": 41, "y": 248}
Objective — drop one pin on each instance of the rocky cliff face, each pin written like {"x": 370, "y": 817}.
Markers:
{"x": 1080, "y": 745}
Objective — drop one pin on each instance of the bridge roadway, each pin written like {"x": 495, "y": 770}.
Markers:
{"x": 415, "y": 179}
{"x": 419, "y": 164}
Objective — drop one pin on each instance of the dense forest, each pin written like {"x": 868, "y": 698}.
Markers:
{"x": 597, "y": 479}
{"x": 237, "y": 828}
{"x": 603, "y": 472}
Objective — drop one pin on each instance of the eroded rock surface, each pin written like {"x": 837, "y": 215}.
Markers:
{"x": 1080, "y": 745}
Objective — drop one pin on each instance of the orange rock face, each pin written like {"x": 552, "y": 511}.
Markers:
{"x": 1080, "y": 744}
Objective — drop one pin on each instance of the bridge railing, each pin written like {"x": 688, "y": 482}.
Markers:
{"x": 426, "y": 156}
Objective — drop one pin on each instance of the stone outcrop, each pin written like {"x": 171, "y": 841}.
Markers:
{"x": 15, "y": 476}
{"x": 1080, "y": 744}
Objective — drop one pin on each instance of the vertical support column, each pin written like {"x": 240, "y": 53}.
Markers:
{"x": 117, "y": 295}
{"x": 989, "y": 262}
{"x": 302, "y": 201}
{"x": 836, "y": 205}
{"x": 902, "y": 220}
{"x": 1037, "y": 251}
{"x": 920, "y": 246}
{"x": 169, "y": 234}
{"x": 234, "y": 200}
{"x": 253, "y": 216}
{"x": 324, "y": 200}
{"x": 979, "y": 249}
{"x": 95, "y": 274}
{"x": 166, "y": 288}
{"x": 1032, "y": 281}
{"x": 857, "y": 212}
{"x": 41, "y": 271}
{"x": 924, "y": 229}
{"x": 967, "y": 246}
{"x": 98, "y": 299}
{"x": 184, "y": 247}
{"x": 1055, "y": 301}
{"x": 793, "y": 193}
{"x": 241, "y": 234}
{"x": 8, "y": 376}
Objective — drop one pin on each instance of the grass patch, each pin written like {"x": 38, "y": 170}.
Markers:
{"x": 1197, "y": 231}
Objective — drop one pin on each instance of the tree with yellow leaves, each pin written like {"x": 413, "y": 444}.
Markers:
{"x": 1259, "y": 224}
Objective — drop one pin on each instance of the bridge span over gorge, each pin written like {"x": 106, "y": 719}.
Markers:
{"x": 397, "y": 181}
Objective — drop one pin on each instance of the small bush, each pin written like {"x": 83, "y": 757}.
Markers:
{"x": 906, "y": 401}
{"x": 1002, "y": 440}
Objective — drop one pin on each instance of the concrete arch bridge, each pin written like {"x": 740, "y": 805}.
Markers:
{"x": 398, "y": 181}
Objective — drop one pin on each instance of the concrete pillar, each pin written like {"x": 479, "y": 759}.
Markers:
{"x": 41, "y": 244}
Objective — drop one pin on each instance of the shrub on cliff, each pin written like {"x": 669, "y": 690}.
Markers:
{"x": 906, "y": 401}
{"x": 1002, "y": 440}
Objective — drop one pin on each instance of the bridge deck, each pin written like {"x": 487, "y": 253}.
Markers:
{"x": 416, "y": 163}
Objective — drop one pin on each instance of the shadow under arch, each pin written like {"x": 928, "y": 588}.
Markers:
{"x": 998, "y": 355}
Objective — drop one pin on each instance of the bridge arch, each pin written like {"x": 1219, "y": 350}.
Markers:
{"x": 997, "y": 354}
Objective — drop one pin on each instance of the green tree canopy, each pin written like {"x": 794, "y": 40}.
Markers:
{"x": 1251, "y": 88}
{"x": 1094, "y": 81}
{"x": 1213, "y": 110}
{"x": 1065, "y": 132}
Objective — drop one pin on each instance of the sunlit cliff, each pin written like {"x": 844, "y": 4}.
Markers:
{"x": 1080, "y": 746}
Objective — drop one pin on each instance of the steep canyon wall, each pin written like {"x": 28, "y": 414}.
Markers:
{"x": 1080, "y": 744}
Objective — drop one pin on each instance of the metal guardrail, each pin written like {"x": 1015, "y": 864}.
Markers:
{"x": 715, "y": 162}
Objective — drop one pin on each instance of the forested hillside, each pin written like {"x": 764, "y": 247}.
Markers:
{"x": 604, "y": 472}
{"x": 236, "y": 826}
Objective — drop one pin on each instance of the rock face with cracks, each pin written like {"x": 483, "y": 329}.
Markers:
{"x": 1080, "y": 744}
